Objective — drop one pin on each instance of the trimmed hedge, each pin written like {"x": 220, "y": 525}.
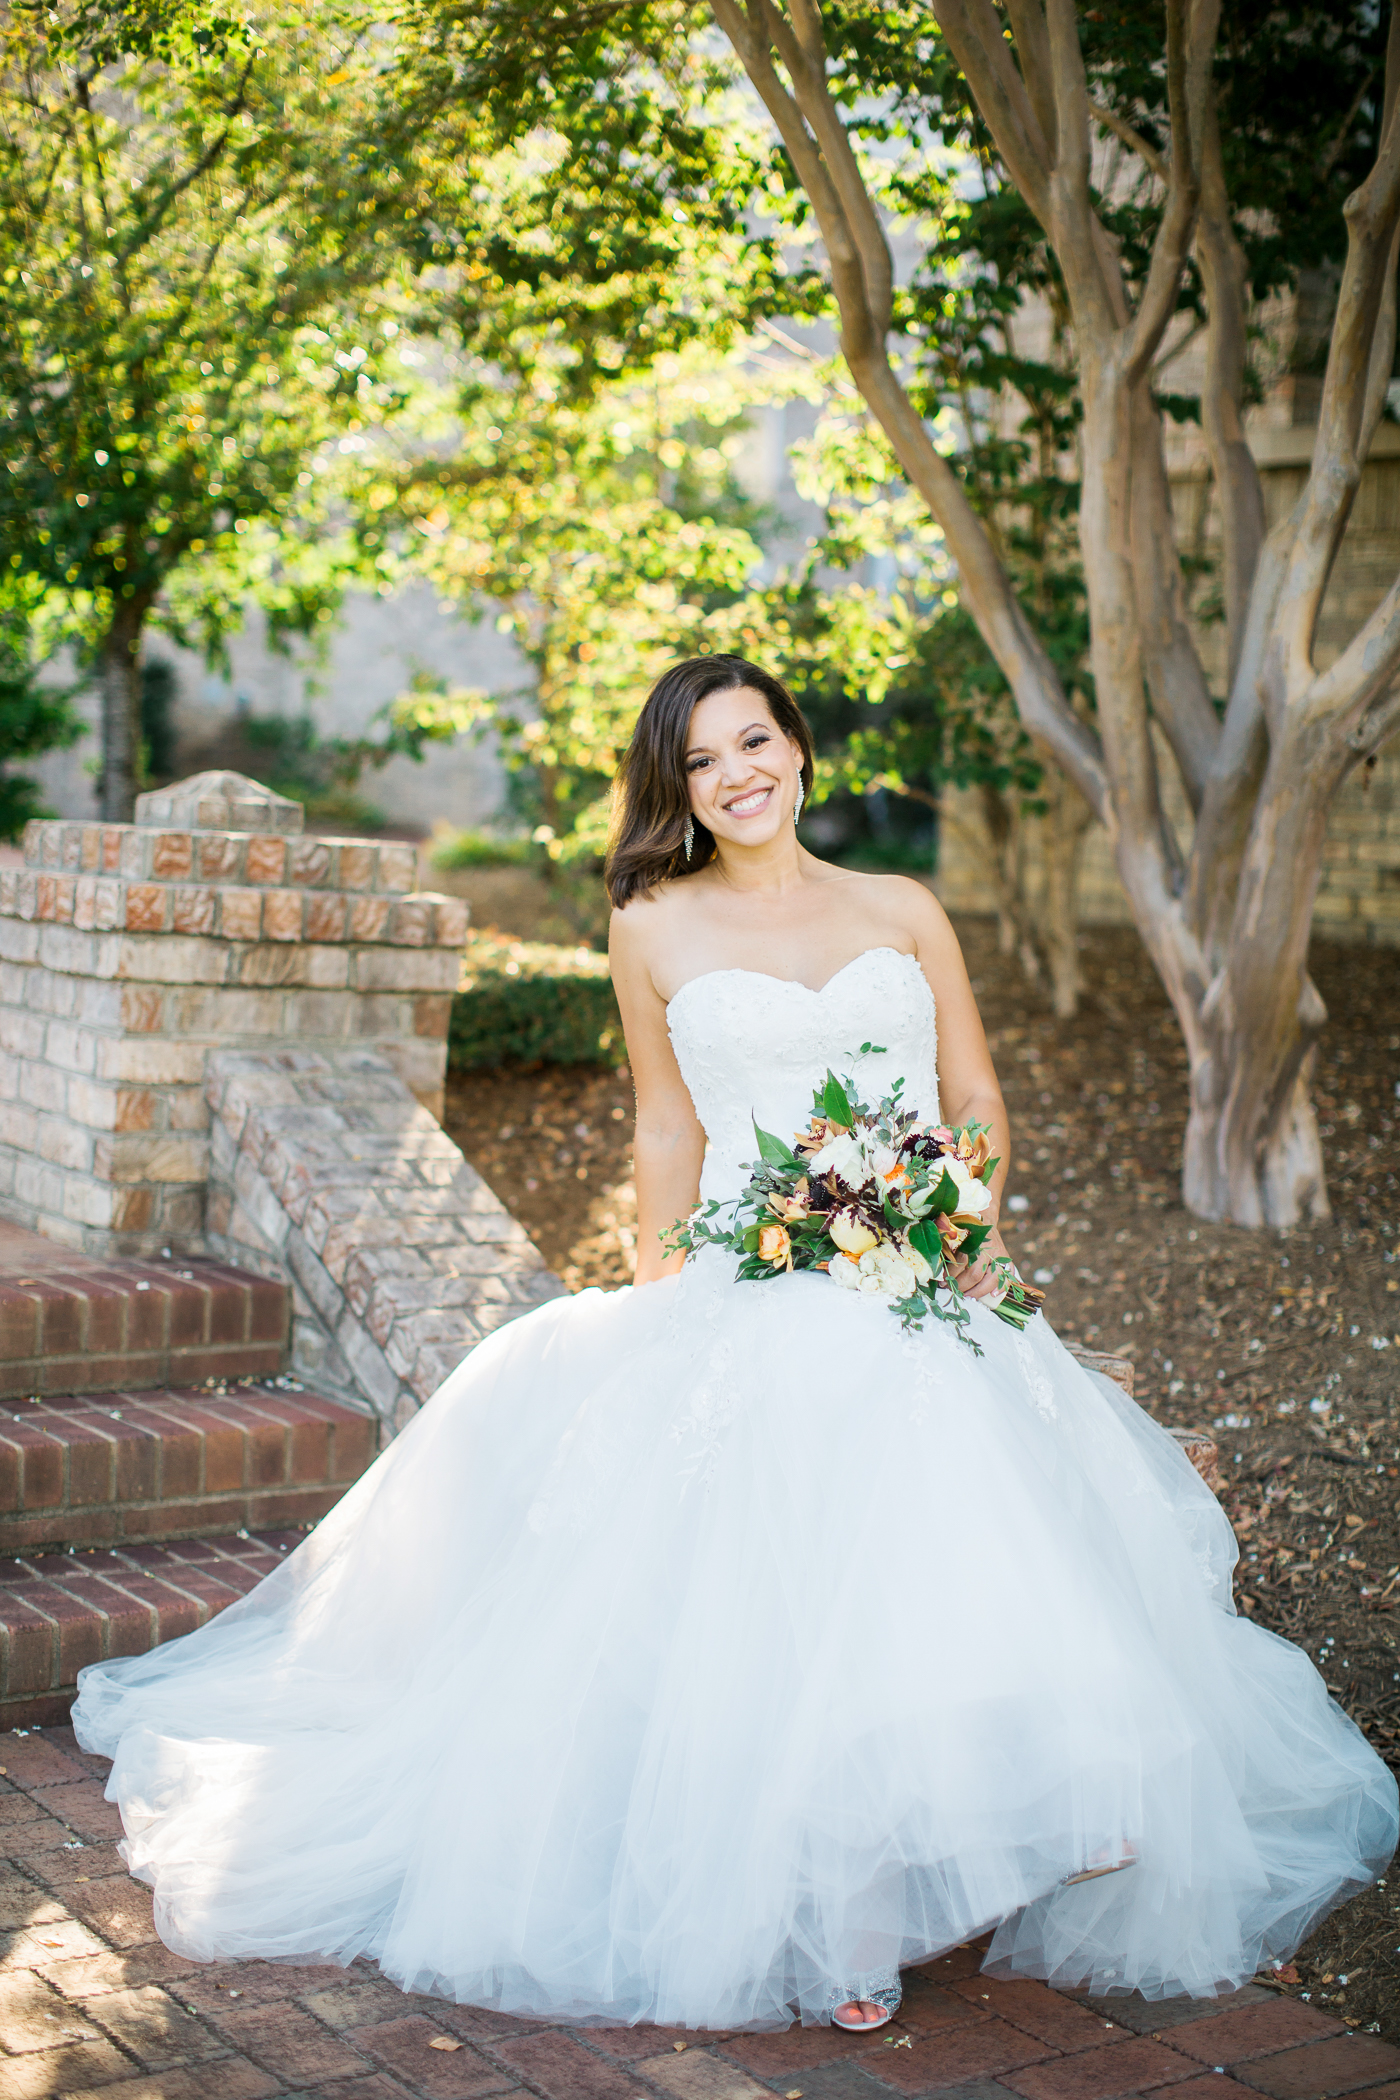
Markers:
{"x": 478, "y": 849}
{"x": 529, "y": 1001}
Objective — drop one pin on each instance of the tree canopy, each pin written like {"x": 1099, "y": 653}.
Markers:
{"x": 194, "y": 221}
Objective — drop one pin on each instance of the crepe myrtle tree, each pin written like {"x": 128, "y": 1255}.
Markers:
{"x": 1226, "y": 918}
{"x": 196, "y": 213}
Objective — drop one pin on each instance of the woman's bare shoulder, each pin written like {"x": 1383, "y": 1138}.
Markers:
{"x": 896, "y": 901}
{"x": 644, "y": 928}
{"x": 643, "y": 912}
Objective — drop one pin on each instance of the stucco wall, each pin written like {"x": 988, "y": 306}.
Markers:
{"x": 377, "y": 646}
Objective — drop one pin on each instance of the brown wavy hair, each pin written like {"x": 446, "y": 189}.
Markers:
{"x": 651, "y": 800}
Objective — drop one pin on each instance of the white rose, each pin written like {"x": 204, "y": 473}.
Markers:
{"x": 843, "y": 1271}
{"x": 845, "y": 1157}
{"x": 850, "y": 1232}
{"x": 896, "y": 1275}
{"x": 973, "y": 1195}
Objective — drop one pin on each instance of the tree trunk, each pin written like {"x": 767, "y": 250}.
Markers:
{"x": 1015, "y": 927}
{"x": 1253, "y": 1149}
{"x": 120, "y": 682}
{"x": 1062, "y": 833}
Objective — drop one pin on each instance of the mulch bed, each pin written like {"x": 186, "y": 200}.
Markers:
{"x": 1285, "y": 1345}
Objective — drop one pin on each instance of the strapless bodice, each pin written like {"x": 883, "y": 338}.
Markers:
{"x": 753, "y": 1047}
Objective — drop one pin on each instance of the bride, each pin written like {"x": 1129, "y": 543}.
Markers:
{"x": 703, "y": 1651}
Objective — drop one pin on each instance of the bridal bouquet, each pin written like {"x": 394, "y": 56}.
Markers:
{"x": 879, "y": 1201}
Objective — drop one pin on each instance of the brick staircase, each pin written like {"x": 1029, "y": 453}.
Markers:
{"x": 155, "y": 1461}
{"x": 73, "y": 1323}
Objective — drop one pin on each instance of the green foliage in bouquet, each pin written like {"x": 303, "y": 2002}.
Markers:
{"x": 534, "y": 1002}
{"x": 881, "y": 1202}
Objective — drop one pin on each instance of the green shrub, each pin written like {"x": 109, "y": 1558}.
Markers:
{"x": 529, "y": 1001}
{"x": 477, "y": 849}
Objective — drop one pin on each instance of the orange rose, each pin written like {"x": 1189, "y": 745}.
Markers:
{"x": 774, "y": 1246}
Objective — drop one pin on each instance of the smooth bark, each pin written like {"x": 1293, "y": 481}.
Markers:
{"x": 1062, "y": 830}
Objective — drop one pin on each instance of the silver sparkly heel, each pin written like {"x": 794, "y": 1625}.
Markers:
{"x": 882, "y": 1990}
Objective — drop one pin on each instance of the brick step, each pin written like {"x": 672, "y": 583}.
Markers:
{"x": 61, "y": 1611}
{"x": 71, "y": 1323}
{"x": 111, "y": 1468}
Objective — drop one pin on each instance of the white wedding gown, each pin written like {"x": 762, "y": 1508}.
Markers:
{"x": 702, "y": 1648}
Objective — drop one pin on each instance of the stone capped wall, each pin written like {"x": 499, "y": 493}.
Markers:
{"x": 325, "y": 1169}
{"x": 129, "y": 951}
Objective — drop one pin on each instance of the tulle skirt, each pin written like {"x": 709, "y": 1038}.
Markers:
{"x": 704, "y": 1650}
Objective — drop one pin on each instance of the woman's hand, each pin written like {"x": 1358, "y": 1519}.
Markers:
{"x": 982, "y": 1278}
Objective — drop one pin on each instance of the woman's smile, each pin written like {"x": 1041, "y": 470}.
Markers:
{"x": 749, "y": 803}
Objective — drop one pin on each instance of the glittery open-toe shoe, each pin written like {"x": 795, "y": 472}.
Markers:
{"x": 886, "y": 1996}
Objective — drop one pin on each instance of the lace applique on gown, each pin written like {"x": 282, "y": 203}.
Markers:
{"x": 700, "y": 1648}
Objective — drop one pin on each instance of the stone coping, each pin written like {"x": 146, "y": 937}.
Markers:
{"x": 268, "y": 859}
{"x": 220, "y": 801}
{"x": 233, "y": 912}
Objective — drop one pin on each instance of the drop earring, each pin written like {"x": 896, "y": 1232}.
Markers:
{"x": 797, "y": 805}
{"x": 689, "y": 837}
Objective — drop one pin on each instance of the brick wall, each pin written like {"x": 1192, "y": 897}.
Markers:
{"x": 129, "y": 951}
{"x": 1359, "y": 898}
{"x": 326, "y": 1169}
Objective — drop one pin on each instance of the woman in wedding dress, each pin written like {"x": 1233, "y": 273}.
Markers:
{"x": 705, "y": 1650}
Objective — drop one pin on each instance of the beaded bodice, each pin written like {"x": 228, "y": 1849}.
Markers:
{"x": 751, "y": 1046}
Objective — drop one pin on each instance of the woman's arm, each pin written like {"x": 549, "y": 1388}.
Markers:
{"x": 669, "y": 1145}
{"x": 967, "y": 1081}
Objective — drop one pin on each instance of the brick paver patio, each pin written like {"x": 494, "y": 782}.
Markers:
{"x": 90, "y": 2001}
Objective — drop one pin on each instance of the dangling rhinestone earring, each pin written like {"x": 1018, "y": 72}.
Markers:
{"x": 689, "y": 837}
{"x": 797, "y": 805}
